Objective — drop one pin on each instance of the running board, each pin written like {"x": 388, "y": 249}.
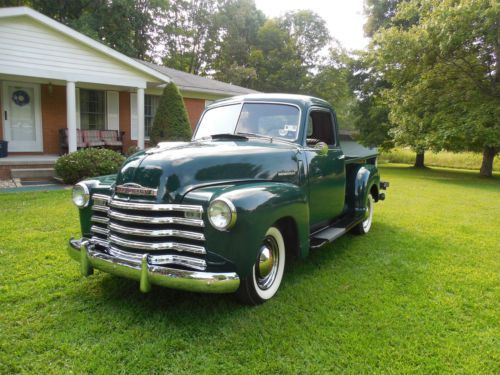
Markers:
{"x": 334, "y": 231}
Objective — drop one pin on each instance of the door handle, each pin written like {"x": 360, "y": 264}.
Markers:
{"x": 5, "y": 116}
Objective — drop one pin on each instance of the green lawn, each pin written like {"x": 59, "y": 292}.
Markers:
{"x": 420, "y": 293}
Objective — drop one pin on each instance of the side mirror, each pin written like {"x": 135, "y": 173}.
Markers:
{"x": 322, "y": 147}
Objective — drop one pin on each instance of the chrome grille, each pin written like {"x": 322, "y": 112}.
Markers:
{"x": 129, "y": 230}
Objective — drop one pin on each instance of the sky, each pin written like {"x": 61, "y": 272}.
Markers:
{"x": 344, "y": 18}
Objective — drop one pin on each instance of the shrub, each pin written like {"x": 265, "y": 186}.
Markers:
{"x": 86, "y": 163}
{"x": 171, "y": 121}
{"x": 132, "y": 150}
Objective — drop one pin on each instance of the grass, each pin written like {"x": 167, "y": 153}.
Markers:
{"x": 462, "y": 160}
{"x": 420, "y": 293}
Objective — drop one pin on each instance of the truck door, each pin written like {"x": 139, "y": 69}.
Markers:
{"x": 326, "y": 172}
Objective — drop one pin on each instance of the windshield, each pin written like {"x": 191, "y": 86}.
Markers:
{"x": 269, "y": 120}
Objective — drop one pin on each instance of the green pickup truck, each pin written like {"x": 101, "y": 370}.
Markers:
{"x": 266, "y": 177}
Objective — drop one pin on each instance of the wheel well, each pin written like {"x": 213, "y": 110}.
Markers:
{"x": 288, "y": 228}
{"x": 374, "y": 192}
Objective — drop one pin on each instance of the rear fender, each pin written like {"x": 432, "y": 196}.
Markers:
{"x": 366, "y": 180}
{"x": 258, "y": 206}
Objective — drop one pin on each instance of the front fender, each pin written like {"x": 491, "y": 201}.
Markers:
{"x": 258, "y": 206}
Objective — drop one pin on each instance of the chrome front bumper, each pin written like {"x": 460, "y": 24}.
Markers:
{"x": 84, "y": 252}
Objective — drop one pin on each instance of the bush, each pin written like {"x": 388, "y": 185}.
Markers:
{"x": 132, "y": 150}
{"x": 171, "y": 121}
{"x": 86, "y": 163}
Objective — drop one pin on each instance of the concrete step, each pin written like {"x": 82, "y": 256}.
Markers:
{"x": 32, "y": 173}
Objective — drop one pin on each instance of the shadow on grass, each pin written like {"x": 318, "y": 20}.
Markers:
{"x": 462, "y": 178}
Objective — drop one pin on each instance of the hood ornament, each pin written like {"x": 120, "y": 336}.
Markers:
{"x": 135, "y": 189}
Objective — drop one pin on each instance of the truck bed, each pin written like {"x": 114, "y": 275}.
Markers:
{"x": 353, "y": 151}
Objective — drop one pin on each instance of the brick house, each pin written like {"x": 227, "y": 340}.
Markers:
{"x": 53, "y": 77}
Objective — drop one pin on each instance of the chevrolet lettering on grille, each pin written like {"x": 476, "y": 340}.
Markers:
{"x": 136, "y": 189}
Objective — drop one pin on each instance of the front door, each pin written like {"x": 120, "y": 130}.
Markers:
{"x": 22, "y": 125}
{"x": 325, "y": 161}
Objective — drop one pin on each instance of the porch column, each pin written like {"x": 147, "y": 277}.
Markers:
{"x": 140, "y": 118}
{"x": 71, "y": 115}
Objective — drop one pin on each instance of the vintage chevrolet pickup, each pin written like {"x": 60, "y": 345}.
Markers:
{"x": 265, "y": 177}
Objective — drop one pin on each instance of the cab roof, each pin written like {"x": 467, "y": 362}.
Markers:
{"x": 300, "y": 100}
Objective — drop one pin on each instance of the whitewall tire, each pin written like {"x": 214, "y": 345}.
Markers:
{"x": 267, "y": 272}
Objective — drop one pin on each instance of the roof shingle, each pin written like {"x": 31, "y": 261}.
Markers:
{"x": 190, "y": 82}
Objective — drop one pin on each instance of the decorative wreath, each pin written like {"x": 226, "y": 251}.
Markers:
{"x": 21, "y": 98}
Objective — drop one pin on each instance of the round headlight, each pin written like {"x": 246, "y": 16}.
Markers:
{"x": 222, "y": 214}
{"x": 81, "y": 195}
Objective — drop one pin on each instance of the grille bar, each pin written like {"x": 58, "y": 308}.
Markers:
{"x": 125, "y": 205}
{"x": 100, "y": 230}
{"x": 152, "y": 246}
{"x": 99, "y": 219}
{"x": 98, "y": 207}
{"x": 157, "y": 232}
{"x": 155, "y": 220}
{"x": 179, "y": 260}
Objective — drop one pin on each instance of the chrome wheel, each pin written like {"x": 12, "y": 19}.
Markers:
{"x": 367, "y": 223}
{"x": 267, "y": 263}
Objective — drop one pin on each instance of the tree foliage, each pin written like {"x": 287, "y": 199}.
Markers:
{"x": 444, "y": 74}
{"x": 190, "y": 35}
{"x": 171, "y": 121}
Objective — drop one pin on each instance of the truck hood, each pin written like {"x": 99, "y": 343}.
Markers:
{"x": 176, "y": 168}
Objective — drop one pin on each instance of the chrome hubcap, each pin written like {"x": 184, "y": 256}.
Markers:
{"x": 369, "y": 215}
{"x": 267, "y": 263}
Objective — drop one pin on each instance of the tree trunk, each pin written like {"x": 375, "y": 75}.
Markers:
{"x": 419, "y": 160}
{"x": 487, "y": 164}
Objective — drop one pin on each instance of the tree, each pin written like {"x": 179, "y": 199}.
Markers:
{"x": 331, "y": 83}
{"x": 190, "y": 35}
{"x": 379, "y": 14}
{"x": 444, "y": 72}
{"x": 239, "y": 22}
{"x": 276, "y": 60}
{"x": 309, "y": 34}
{"x": 171, "y": 121}
{"x": 370, "y": 111}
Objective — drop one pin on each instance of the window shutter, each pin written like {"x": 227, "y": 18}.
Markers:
{"x": 113, "y": 110}
{"x": 133, "y": 116}
{"x": 78, "y": 119}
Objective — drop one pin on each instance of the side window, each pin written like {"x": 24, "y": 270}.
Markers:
{"x": 320, "y": 128}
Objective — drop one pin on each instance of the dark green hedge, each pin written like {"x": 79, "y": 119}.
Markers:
{"x": 86, "y": 163}
{"x": 171, "y": 121}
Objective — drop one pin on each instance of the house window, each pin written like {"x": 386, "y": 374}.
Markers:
{"x": 92, "y": 109}
{"x": 150, "y": 106}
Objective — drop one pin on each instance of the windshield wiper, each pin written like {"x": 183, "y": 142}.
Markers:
{"x": 228, "y": 135}
{"x": 222, "y": 136}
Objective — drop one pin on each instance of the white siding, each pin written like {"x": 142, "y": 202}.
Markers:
{"x": 30, "y": 48}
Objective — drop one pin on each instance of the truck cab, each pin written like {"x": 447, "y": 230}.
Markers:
{"x": 265, "y": 177}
